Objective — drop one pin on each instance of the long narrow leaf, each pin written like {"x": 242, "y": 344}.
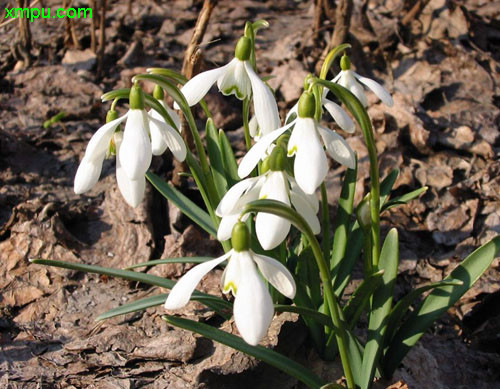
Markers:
{"x": 404, "y": 199}
{"x": 438, "y": 302}
{"x": 266, "y": 355}
{"x": 386, "y": 185}
{"x": 229, "y": 160}
{"x": 216, "y": 158}
{"x": 213, "y": 302}
{"x": 343, "y": 219}
{"x": 187, "y": 207}
{"x": 381, "y": 307}
{"x": 361, "y": 297}
{"x": 170, "y": 260}
{"x": 404, "y": 304}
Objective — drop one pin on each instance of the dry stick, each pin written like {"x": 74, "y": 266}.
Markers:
{"x": 318, "y": 17}
{"x": 24, "y": 44}
{"x": 342, "y": 23}
{"x": 189, "y": 69}
{"x": 102, "y": 38}
{"x": 93, "y": 41}
{"x": 415, "y": 12}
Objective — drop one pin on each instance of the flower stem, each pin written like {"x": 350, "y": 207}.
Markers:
{"x": 246, "y": 126}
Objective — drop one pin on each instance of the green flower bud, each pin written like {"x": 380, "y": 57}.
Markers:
{"x": 240, "y": 237}
{"x": 264, "y": 166}
{"x": 136, "y": 97}
{"x": 307, "y": 105}
{"x": 345, "y": 62}
{"x": 243, "y": 49}
{"x": 363, "y": 213}
{"x": 308, "y": 80}
{"x": 111, "y": 115}
{"x": 158, "y": 93}
{"x": 277, "y": 160}
{"x": 283, "y": 141}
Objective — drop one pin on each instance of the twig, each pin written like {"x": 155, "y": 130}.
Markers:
{"x": 102, "y": 38}
{"x": 414, "y": 13}
{"x": 93, "y": 40}
{"x": 189, "y": 69}
{"x": 342, "y": 23}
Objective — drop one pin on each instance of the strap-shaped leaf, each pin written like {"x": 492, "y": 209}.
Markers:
{"x": 216, "y": 303}
{"x": 404, "y": 199}
{"x": 187, "y": 207}
{"x": 266, "y": 355}
{"x": 361, "y": 297}
{"x": 343, "y": 219}
{"x": 344, "y": 272}
{"x": 215, "y": 157}
{"x": 230, "y": 165}
{"x": 386, "y": 185}
{"x": 170, "y": 260}
{"x": 402, "y": 306}
{"x": 438, "y": 302}
{"x": 381, "y": 307}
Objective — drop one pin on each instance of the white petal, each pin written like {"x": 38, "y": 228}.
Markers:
{"x": 181, "y": 293}
{"x": 310, "y": 165}
{"x": 170, "y": 139}
{"x": 175, "y": 118}
{"x": 226, "y": 226}
{"x": 265, "y": 107}
{"x": 135, "y": 152}
{"x": 337, "y": 147}
{"x": 348, "y": 81}
{"x": 376, "y": 88}
{"x": 197, "y": 87}
{"x": 157, "y": 127}
{"x": 339, "y": 115}
{"x": 232, "y": 274}
{"x": 99, "y": 143}
{"x": 312, "y": 199}
{"x": 235, "y": 80}
{"x": 253, "y": 127}
{"x": 232, "y": 196}
{"x": 253, "y": 307}
{"x": 254, "y": 155}
{"x": 277, "y": 274}
{"x": 271, "y": 229}
{"x": 302, "y": 206}
{"x": 87, "y": 174}
{"x": 131, "y": 190}
{"x": 336, "y": 79}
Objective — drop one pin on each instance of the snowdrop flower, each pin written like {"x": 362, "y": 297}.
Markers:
{"x": 163, "y": 135}
{"x": 253, "y": 307}
{"x": 133, "y": 149}
{"x": 349, "y": 80}
{"x": 274, "y": 184}
{"x": 310, "y": 166}
{"x": 238, "y": 78}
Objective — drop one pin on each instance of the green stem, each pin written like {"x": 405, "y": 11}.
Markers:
{"x": 325, "y": 224}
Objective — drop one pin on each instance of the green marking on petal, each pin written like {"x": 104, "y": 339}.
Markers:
{"x": 292, "y": 151}
{"x": 234, "y": 90}
{"x": 230, "y": 287}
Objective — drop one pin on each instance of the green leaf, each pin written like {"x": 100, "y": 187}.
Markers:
{"x": 360, "y": 298}
{"x": 381, "y": 307}
{"x": 215, "y": 157}
{"x": 187, "y": 207}
{"x": 438, "y": 302}
{"x": 344, "y": 272}
{"x": 266, "y": 355}
{"x": 386, "y": 185}
{"x": 172, "y": 74}
{"x": 170, "y": 260}
{"x": 318, "y": 317}
{"x": 153, "y": 301}
{"x": 404, "y": 199}
{"x": 148, "y": 279}
{"x": 230, "y": 165}
{"x": 343, "y": 219}
{"x": 138, "y": 305}
{"x": 404, "y": 304}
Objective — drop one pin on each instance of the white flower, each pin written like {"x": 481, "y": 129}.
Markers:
{"x": 238, "y": 78}
{"x": 253, "y": 308}
{"x": 133, "y": 156}
{"x": 349, "y": 80}
{"x": 306, "y": 143}
{"x": 271, "y": 230}
{"x": 164, "y": 136}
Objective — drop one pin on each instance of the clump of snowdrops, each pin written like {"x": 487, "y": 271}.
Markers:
{"x": 269, "y": 211}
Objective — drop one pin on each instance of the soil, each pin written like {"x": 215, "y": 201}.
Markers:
{"x": 442, "y": 69}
